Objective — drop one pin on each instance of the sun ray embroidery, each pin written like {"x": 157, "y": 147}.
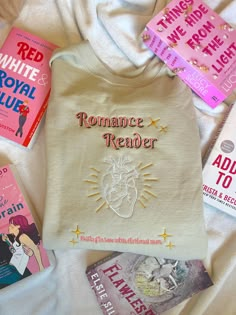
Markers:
{"x": 121, "y": 185}
{"x": 150, "y": 193}
{"x": 94, "y": 194}
{"x": 142, "y": 196}
{"x": 94, "y": 169}
{"x": 94, "y": 175}
{"x": 146, "y": 166}
{"x": 139, "y": 165}
{"x": 146, "y": 191}
{"x": 142, "y": 204}
{"x": 90, "y": 181}
{"x": 101, "y": 206}
{"x": 151, "y": 179}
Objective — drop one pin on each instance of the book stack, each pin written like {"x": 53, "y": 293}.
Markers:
{"x": 25, "y": 81}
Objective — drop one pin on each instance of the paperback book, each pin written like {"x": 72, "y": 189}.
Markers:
{"x": 126, "y": 283}
{"x": 219, "y": 170}
{"x": 196, "y": 44}
{"x": 21, "y": 250}
{"x": 25, "y": 80}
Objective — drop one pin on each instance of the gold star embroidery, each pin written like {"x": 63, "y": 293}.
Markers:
{"x": 165, "y": 235}
{"x": 73, "y": 242}
{"x": 77, "y": 231}
{"x": 154, "y": 122}
{"x": 170, "y": 245}
{"x": 163, "y": 128}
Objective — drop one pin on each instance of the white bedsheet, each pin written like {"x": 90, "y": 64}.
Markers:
{"x": 113, "y": 28}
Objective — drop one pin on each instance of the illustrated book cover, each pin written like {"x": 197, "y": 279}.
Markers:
{"x": 126, "y": 283}
{"x": 25, "y": 80}
{"x": 196, "y": 44}
{"x": 219, "y": 171}
{"x": 21, "y": 250}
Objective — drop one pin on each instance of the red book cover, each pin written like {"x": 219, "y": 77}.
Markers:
{"x": 25, "y": 81}
{"x": 126, "y": 283}
{"x": 21, "y": 250}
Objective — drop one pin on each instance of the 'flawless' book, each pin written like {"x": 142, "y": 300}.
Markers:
{"x": 219, "y": 171}
{"x": 21, "y": 250}
{"x": 126, "y": 283}
{"x": 196, "y": 44}
{"x": 25, "y": 81}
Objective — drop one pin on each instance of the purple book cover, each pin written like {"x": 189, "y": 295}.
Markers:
{"x": 21, "y": 250}
{"x": 131, "y": 284}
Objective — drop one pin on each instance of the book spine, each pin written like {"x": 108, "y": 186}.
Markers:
{"x": 187, "y": 72}
{"x": 36, "y": 122}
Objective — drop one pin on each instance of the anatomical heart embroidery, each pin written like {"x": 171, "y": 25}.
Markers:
{"x": 121, "y": 186}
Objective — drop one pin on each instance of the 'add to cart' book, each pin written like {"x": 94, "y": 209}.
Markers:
{"x": 219, "y": 171}
{"x": 25, "y": 82}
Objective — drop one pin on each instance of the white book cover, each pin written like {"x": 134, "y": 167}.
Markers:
{"x": 219, "y": 171}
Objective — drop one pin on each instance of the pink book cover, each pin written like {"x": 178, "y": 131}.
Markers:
{"x": 196, "y": 44}
{"x": 25, "y": 80}
{"x": 126, "y": 283}
{"x": 21, "y": 250}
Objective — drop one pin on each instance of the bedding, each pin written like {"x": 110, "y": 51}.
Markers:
{"x": 113, "y": 29}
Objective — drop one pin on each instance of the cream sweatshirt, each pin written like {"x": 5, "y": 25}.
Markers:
{"x": 123, "y": 160}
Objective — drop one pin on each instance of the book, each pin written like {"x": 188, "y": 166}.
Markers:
{"x": 21, "y": 250}
{"x": 197, "y": 45}
{"x": 219, "y": 169}
{"x": 25, "y": 81}
{"x": 126, "y": 283}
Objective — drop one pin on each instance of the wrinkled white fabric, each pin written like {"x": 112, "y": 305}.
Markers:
{"x": 63, "y": 289}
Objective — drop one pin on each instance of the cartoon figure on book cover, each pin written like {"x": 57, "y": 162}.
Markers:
{"x": 23, "y": 110}
{"x": 16, "y": 248}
